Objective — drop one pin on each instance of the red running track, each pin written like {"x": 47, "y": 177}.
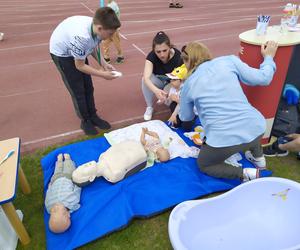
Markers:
{"x": 35, "y": 105}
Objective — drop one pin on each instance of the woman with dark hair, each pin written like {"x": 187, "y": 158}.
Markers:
{"x": 161, "y": 60}
{"x": 230, "y": 123}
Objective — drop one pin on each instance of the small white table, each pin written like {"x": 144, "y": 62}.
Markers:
{"x": 9, "y": 171}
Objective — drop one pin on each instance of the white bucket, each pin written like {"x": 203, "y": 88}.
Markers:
{"x": 8, "y": 236}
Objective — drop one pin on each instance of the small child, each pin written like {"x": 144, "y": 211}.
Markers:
{"x": 153, "y": 145}
{"x": 115, "y": 39}
{"x": 62, "y": 196}
{"x": 177, "y": 77}
{"x": 175, "y": 4}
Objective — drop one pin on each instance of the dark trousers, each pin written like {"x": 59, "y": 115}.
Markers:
{"x": 187, "y": 126}
{"x": 211, "y": 159}
{"x": 79, "y": 85}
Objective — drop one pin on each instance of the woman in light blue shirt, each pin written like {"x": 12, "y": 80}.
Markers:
{"x": 230, "y": 122}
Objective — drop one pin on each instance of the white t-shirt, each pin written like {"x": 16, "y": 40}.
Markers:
{"x": 73, "y": 38}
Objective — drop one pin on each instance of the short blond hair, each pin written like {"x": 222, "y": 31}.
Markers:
{"x": 195, "y": 53}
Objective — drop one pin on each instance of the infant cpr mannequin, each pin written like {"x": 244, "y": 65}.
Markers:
{"x": 116, "y": 163}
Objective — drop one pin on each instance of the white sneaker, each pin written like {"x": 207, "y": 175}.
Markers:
{"x": 148, "y": 114}
{"x": 250, "y": 174}
{"x": 259, "y": 162}
{"x": 234, "y": 160}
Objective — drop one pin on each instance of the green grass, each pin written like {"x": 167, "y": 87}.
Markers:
{"x": 151, "y": 233}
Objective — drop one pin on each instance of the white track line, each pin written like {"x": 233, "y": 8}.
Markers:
{"x": 28, "y": 24}
{"x": 25, "y": 64}
{"x": 140, "y": 50}
{"x": 24, "y": 93}
{"x": 80, "y": 131}
{"x": 125, "y": 51}
{"x": 32, "y": 33}
{"x": 30, "y": 10}
{"x": 202, "y": 17}
{"x": 191, "y": 26}
{"x": 36, "y": 5}
{"x": 124, "y": 37}
{"x": 145, "y": 32}
{"x": 60, "y": 87}
{"x": 87, "y": 7}
{"x": 25, "y": 46}
{"x": 51, "y": 137}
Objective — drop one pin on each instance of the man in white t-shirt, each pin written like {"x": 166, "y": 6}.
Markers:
{"x": 72, "y": 41}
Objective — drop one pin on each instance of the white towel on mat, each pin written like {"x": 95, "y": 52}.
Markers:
{"x": 170, "y": 140}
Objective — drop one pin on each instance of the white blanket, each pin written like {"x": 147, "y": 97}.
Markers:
{"x": 170, "y": 140}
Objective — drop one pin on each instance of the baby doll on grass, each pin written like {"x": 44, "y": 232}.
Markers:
{"x": 62, "y": 196}
{"x": 153, "y": 145}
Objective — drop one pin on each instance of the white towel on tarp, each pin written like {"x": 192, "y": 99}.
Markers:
{"x": 169, "y": 139}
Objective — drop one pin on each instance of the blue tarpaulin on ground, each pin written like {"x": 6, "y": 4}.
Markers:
{"x": 107, "y": 207}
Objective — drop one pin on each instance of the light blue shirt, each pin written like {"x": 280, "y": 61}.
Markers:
{"x": 224, "y": 111}
{"x": 63, "y": 191}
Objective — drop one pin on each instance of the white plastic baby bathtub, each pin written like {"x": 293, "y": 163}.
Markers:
{"x": 263, "y": 214}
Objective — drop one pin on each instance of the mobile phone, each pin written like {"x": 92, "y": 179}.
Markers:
{"x": 284, "y": 139}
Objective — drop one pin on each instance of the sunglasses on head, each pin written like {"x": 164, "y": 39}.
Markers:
{"x": 183, "y": 51}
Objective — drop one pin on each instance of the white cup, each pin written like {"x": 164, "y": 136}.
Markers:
{"x": 293, "y": 20}
{"x": 284, "y": 25}
{"x": 261, "y": 28}
{"x": 1, "y": 36}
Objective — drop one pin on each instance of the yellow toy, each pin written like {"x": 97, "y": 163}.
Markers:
{"x": 178, "y": 73}
{"x": 197, "y": 139}
{"x": 197, "y": 136}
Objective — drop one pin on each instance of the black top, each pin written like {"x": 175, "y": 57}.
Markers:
{"x": 160, "y": 68}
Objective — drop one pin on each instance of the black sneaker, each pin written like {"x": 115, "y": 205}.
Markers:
{"x": 273, "y": 150}
{"x": 88, "y": 127}
{"x": 107, "y": 60}
{"x": 102, "y": 124}
{"x": 120, "y": 59}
